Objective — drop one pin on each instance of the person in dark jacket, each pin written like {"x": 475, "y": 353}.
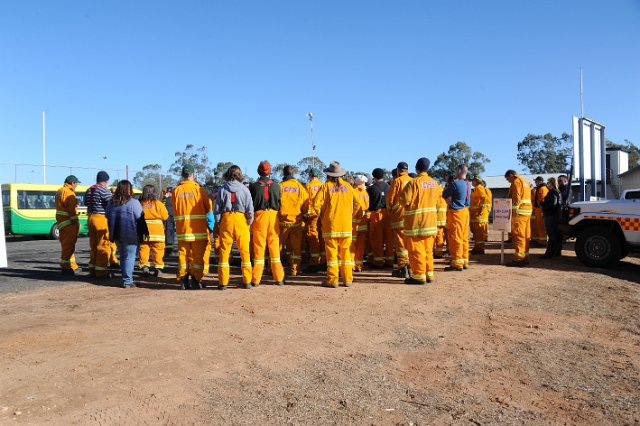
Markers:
{"x": 551, "y": 211}
{"x": 123, "y": 215}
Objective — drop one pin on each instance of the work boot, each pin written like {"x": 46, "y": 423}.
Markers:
{"x": 347, "y": 284}
{"x": 280, "y": 283}
{"x": 452, "y": 268}
{"x": 222, "y": 287}
{"x": 246, "y": 286}
{"x": 195, "y": 284}
{"x": 402, "y": 272}
{"x": 330, "y": 285}
{"x": 184, "y": 283}
{"x": 145, "y": 270}
{"x": 156, "y": 272}
{"x": 414, "y": 281}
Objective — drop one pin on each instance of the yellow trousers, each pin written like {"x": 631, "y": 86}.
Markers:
{"x": 381, "y": 237}
{"x": 314, "y": 241}
{"x": 68, "y": 237}
{"x": 265, "y": 230}
{"x": 207, "y": 255}
{"x": 480, "y": 230}
{"x": 155, "y": 249}
{"x": 458, "y": 239}
{"x": 421, "y": 257}
{"x": 402, "y": 255}
{"x": 99, "y": 244}
{"x": 521, "y": 234}
{"x": 538, "y": 230}
{"x": 234, "y": 227}
{"x": 438, "y": 243}
{"x": 191, "y": 259}
{"x": 358, "y": 247}
{"x": 291, "y": 239}
{"x": 113, "y": 258}
{"x": 339, "y": 260}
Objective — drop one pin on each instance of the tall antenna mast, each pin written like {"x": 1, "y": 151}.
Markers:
{"x": 44, "y": 151}
{"x": 313, "y": 145}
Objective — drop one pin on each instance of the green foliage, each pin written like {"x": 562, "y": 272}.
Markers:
{"x": 307, "y": 163}
{"x": 196, "y": 157}
{"x": 545, "y": 153}
{"x": 631, "y": 148}
{"x": 458, "y": 153}
{"x": 152, "y": 174}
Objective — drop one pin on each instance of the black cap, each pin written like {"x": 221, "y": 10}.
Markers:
{"x": 539, "y": 179}
{"x": 378, "y": 173}
{"x": 102, "y": 176}
{"x": 402, "y": 166}
{"x": 422, "y": 165}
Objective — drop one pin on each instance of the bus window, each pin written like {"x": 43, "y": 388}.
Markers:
{"x": 36, "y": 200}
{"x": 5, "y": 198}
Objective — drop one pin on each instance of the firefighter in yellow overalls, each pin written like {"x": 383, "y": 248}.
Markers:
{"x": 190, "y": 207}
{"x": 338, "y": 205}
{"x": 397, "y": 219}
{"x": 360, "y": 231}
{"x": 479, "y": 215}
{"x": 539, "y": 232}
{"x": 234, "y": 213}
{"x": 520, "y": 194}
{"x": 293, "y": 196}
{"x": 155, "y": 213}
{"x": 316, "y": 252}
{"x": 67, "y": 223}
{"x": 265, "y": 228}
{"x": 441, "y": 222}
{"x": 419, "y": 198}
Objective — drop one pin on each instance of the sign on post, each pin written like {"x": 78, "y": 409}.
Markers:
{"x": 502, "y": 220}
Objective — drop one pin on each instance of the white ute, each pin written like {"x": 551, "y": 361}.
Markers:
{"x": 605, "y": 231}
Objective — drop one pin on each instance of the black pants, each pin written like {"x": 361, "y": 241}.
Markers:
{"x": 554, "y": 243}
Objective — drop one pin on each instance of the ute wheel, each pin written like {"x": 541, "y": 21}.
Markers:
{"x": 598, "y": 246}
{"x": 54, "y": 234}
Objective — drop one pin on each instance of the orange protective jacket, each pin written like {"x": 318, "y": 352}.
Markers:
{"x": 338, "y": 205}
{"x": 419, "y": 201}
{"x": 293, "y": 197}
{"x": 541, "y": 192}
{"x": 441, "y": 217}
{"x": 312, "y": 189}
{"x": 190, "y": 207}
{"x": 155, "y": 213}
{"x": 66, "y": 206}
{"x": 480, "y": 205}
{"x": 520, "y": 194}
{"x": 393, "y": 199}
{"x": 363, "y": 198}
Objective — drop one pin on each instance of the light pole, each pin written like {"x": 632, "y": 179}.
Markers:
{"x": 313, "y": 145}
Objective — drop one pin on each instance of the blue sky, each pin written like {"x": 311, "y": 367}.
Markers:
{"x": 387, "y": 81}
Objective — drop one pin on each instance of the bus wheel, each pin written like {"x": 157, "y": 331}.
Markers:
{"x": 54, "y": 234}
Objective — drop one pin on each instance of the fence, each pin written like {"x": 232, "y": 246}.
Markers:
{"x": 55, "y": 174}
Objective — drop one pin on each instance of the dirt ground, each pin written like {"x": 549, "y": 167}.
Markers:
{"x": 554, "y": 343}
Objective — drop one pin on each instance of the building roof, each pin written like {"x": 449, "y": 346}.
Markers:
{"x": 496, "y": 182}
{"x": 630, "y": 171}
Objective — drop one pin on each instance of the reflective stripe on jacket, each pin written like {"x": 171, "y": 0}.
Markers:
{"x": 393, "y": 199}
{"x": 293, "y": 196}
{"x": 419, "y": 199}
{"x": 66, "y": 206}
{"x": 520, "y": 194}
{"x": 338, "y": 204}
{"x": 154, "y": 214}
{"x": 190, "y": 207}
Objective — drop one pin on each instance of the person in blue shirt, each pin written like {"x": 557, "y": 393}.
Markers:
{"x": 123, "y": 214}
{"x": 458, "y": 193}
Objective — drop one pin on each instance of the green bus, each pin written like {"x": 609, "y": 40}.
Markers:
{"x": 30, "y": 209}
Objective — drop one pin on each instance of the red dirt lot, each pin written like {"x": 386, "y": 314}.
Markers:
{"x": 553, "y": 343}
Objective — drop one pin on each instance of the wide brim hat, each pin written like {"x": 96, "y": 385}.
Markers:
{"x": 335, "y": 170}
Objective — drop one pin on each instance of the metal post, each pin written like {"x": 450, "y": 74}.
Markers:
{"x": 603, "y": 164}
{"x": 313, "y": 145}
{"x": 44, "y": 151}
{"x": 594, "y": 181}
{"x": 583, "y": 194}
